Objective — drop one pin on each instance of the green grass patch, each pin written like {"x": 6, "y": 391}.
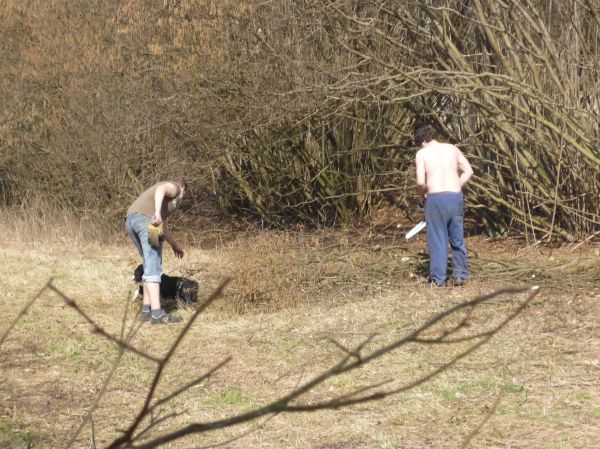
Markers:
{"x": 595, "y": 413}
{"x": 560, "y": 445}
{"x": 13, "y": 436}
{"x": 230, "y": 397}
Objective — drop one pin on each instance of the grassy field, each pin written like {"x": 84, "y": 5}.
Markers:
{"x": 297, "y": 304}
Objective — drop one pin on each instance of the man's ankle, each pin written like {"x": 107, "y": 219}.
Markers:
{"x": 157, "y": 312}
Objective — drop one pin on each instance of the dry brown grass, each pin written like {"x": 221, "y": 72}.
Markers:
{"x": 297, "y": 292}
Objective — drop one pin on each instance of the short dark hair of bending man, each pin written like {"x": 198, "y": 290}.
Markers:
{"x": 441, "y": 172}
{"x": 154, "y": 206}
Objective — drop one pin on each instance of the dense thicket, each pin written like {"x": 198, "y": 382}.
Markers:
{"x": 303, "y": 110}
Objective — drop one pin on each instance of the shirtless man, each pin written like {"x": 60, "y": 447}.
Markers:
{"x": 441, "y": 171}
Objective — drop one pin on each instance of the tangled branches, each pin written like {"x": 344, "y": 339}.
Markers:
{"x": 513, "y": 83}
{"x": 303, "y": 111}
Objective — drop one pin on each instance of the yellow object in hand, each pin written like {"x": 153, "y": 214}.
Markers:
{"x": 155, "y": 235}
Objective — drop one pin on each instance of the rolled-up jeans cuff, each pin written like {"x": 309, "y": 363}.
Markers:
{"x": 155, "y": 279}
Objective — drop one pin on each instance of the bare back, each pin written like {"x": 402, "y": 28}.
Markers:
{"x": 441, "y": 167}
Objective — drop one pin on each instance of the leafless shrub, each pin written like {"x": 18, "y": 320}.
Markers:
{"x": 303, "y": 111}
{"x": 509, "y": 81}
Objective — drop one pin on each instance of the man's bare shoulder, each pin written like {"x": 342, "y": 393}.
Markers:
{"x": 449, "y": 149}
{"x": 448, "y": 146}
{"x": 171, "y": 188}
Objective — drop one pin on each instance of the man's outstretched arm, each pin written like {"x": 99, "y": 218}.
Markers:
{"x": 177, "y": 248}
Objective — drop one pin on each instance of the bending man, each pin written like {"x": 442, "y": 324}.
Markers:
{"x": 154, "y": 206}
{"x": 441, "y": 172}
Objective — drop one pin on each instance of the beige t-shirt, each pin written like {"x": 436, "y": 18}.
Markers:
{"x": 144, "y": 204}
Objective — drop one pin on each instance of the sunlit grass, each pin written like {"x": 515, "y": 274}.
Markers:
{"x": 62, "y": 364}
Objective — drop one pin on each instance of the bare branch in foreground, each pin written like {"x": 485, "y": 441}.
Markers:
{"x": 128, "y": 435}
{"x": 23, "y": 312}
{"x": 351, "y": 360}
{"x": 487, "y": 417}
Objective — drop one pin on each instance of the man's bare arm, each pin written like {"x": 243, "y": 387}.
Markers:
{"x": 465, "y": 168}
{"x": 177, "y": 249}
{"x": 167, "y": 189}
{"x": 420, "y": 175}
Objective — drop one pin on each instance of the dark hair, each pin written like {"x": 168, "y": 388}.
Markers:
{"x": 424, "y": 133}
{"x": 181, "y": 182}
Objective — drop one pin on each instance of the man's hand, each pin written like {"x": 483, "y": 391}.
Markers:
{"x": 157, "y": 219}
{"x": 177, "y": 250}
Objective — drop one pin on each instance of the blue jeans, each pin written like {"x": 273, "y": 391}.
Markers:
{"x": 137, "y": 228}
{"x": 444, "y": 216}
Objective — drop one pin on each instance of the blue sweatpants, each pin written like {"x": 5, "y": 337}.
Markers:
{"x": 444, "y": 216}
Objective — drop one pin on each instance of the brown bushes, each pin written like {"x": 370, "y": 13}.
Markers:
{"x": 96, "y": 108}
{"x": 511, "y": 84}
{"x": 303, "y": 111}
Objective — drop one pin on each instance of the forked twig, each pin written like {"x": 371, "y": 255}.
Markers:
{"x": 96, "y": 328}
{"x": 352, "y": 359}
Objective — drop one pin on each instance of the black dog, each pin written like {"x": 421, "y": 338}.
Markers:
{"x": 176, "y": 288}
